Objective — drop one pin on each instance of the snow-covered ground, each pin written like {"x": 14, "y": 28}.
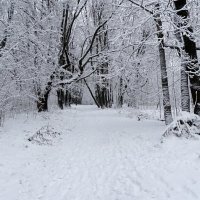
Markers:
{"x": 100, "y": 155}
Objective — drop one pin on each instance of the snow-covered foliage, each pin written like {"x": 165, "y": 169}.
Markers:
{"x": 32, "y": 32}
{"x": 187, "y": 125}
{"x": 45, "y": 136}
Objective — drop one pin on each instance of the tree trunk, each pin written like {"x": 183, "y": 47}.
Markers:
{"x": 61, "y": 98}
{"x": 163, "y": 65}
{"x": 93, "y": 97}
{"x": 185, "y": 94}
{"x": 190, "y": 49}
{"x": 68, "y": 98}
{"x": 120, "y": 93}
{"x": 42, "y": 102}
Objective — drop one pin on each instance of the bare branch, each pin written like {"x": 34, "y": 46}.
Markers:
{"x": 91, "y": 44}
{"x": 141, "y": 6}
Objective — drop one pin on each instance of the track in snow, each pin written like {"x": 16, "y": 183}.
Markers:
{"x": 103, "y": 155}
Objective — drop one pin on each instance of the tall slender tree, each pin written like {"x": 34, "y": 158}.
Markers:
{"x": 191, "y": 60}
{"x": 156, "y": 16}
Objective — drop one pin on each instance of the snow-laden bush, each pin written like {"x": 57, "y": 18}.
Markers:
{"x": 44, "y": 136}
{"x": 186, "y": 125}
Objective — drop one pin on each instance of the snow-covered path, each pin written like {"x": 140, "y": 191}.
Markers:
{"x": 103, "y": 155}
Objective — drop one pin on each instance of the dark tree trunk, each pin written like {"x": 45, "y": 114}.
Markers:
{"x": 103, "y": 96}
{"x": 120, "y": 93}
{"x": 93, "y": 97}
{"x": 61, "y": 98}
{"x": 190, "y": 49}
{"x": 42, "y": 102}
{"x": 163, "y": 65}
{"x": 103, "y": 89}
{"x": 68, "y": 98}
{"x": 64, "y": 95}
